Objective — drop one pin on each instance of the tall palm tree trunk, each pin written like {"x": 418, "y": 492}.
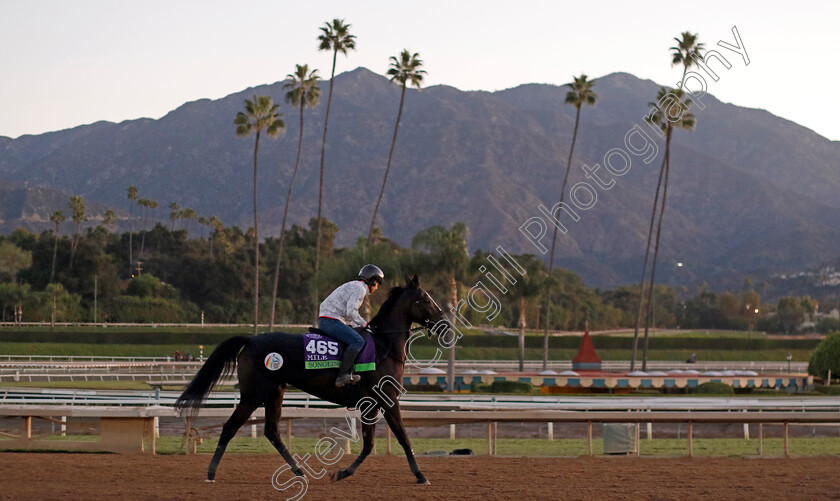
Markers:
{"x": 450, "y": 365}
{"x": 55, "y": 253}
{"x": 130, "y": 233}
{"x": 74, "y": 242}
{"x": 256, "y": 241}
{"x": 554, "y": 243}
{"x": 656, "y": 246}
{"x": 321, "y": 188}
{"x": 388, "y": 166}
{"x": 143, "y": 240}
{"x": 521, "y": 334}
{"x": 283, "y": 224}
{"x": 644, "y": 267}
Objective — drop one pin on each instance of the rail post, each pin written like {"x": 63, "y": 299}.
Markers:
{"x": 786, "y": 440}
{"x": 489, "y": 438}
{"x": 690, "y": 438}
{"x": 760, "y": 437}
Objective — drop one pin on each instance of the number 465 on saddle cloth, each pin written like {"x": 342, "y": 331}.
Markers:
{"x": 324, "y": 352}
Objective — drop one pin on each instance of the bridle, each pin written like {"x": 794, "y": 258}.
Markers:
{"x": 426, "y": 324}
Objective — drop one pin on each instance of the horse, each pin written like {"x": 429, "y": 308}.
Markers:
{"x": 259, "y": 385}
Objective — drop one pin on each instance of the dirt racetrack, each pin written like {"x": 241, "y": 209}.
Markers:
{"x": 248, "y": 477}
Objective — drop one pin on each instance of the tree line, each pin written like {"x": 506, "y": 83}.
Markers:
{"x": 176, "y": 278}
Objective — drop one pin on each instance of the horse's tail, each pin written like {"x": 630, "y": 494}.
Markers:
{"x": 219, "y": 365}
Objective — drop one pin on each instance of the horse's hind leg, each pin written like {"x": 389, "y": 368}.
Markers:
{"x": 241, "y": 414}
{"x": 273, "y": 406}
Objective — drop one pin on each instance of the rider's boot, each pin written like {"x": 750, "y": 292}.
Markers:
{"x": 345, "y": 370}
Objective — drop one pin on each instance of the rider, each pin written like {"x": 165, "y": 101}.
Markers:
{"x": 342, "y": 308}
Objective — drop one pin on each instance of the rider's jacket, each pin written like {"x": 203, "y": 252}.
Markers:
{"x": 344, "y": 302}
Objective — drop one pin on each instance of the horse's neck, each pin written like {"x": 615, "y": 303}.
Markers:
{"x": 394, "y": 329}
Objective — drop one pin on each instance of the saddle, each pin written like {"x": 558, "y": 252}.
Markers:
{"x": 323, "y": 351}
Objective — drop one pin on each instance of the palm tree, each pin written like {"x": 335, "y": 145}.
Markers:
{"x": 174, "y": 213}
{"x": 132, "y": 197}
{"x": 203, "y": 221}
{"x": 149, "y": 205}
{"x": 644, "y": 265}
{"x": 580, "y": 93}
{"x": 404, "y": 70}
{"x": 214, "y": 225}
{"x": 77, "y": 205}
{"x": 448, "y": 253}
{"x": 681, "y": 54}
{"x": 260, "y": 114}
{"x": 303, "y": 92}
{"x": 337, "y": 38}
{"x": 153, "y": 205}
{"x": 190, "y": 215}
{"x": 670, "y": 112}
{"x": 57, "y": 218}
{"x": 109, "y": 218}
{"x": 531, "y": 285}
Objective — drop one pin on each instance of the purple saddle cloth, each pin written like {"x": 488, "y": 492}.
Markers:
{"x": 325, "y": 352}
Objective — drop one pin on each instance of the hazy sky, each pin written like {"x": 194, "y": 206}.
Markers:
{"x": 66, "y": 63}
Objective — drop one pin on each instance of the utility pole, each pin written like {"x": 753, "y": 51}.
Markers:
{"x": 95, "y": 286}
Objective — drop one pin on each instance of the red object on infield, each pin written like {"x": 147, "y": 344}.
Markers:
{"x": 586, "y": 358}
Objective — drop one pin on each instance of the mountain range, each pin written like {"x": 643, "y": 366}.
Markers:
{"x": 751, "y": 193}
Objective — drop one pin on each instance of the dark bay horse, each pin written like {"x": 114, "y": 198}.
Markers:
{"x": 259, "y": 384}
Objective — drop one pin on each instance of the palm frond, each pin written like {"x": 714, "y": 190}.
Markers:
{"x": 581, "y": 92}
{"x": 260, "y": 114}
{"x": 336, "y": 37}
{"x": 405, "y": 69}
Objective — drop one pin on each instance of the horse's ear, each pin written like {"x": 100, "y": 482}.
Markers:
{"x": 415, "y": 281}
{"x": 407, "y": 280}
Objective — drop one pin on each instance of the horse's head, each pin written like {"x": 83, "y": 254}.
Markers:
{"x": 408, "y": 305}
{"x": 423, "y": 309}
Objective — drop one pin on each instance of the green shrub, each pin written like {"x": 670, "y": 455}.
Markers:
{"x": 143, "y": 310}
{"x": 711, "y": 388}
{"x": 509, "y": 387}
{"x": 827, "y": 390}
{"x": 646, "y": 391}
{"x": 429, "y": 388}
{"x": 765, "y": 391}
{"x": 656, "y": 343}
{"x": 502, "y": 387}
{"x": 479, "y": 388}
{"x": 826, "y": 325}
{"x": 826, "y": 357}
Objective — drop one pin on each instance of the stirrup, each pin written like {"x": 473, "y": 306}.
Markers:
{"x": 346, "y": 379}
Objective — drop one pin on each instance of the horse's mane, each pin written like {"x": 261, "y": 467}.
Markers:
{"x": 388, "y": 305}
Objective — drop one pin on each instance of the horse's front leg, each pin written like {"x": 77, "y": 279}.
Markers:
{"x": 367, "y": 448}
{"x": 392, "y": 416}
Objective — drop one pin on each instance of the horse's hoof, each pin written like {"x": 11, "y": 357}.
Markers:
{"x": 425, "y": 481}
{"x": 208, "y": 481}
{"x": 299, "y": 473}
{"x": 339, "y": 475}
